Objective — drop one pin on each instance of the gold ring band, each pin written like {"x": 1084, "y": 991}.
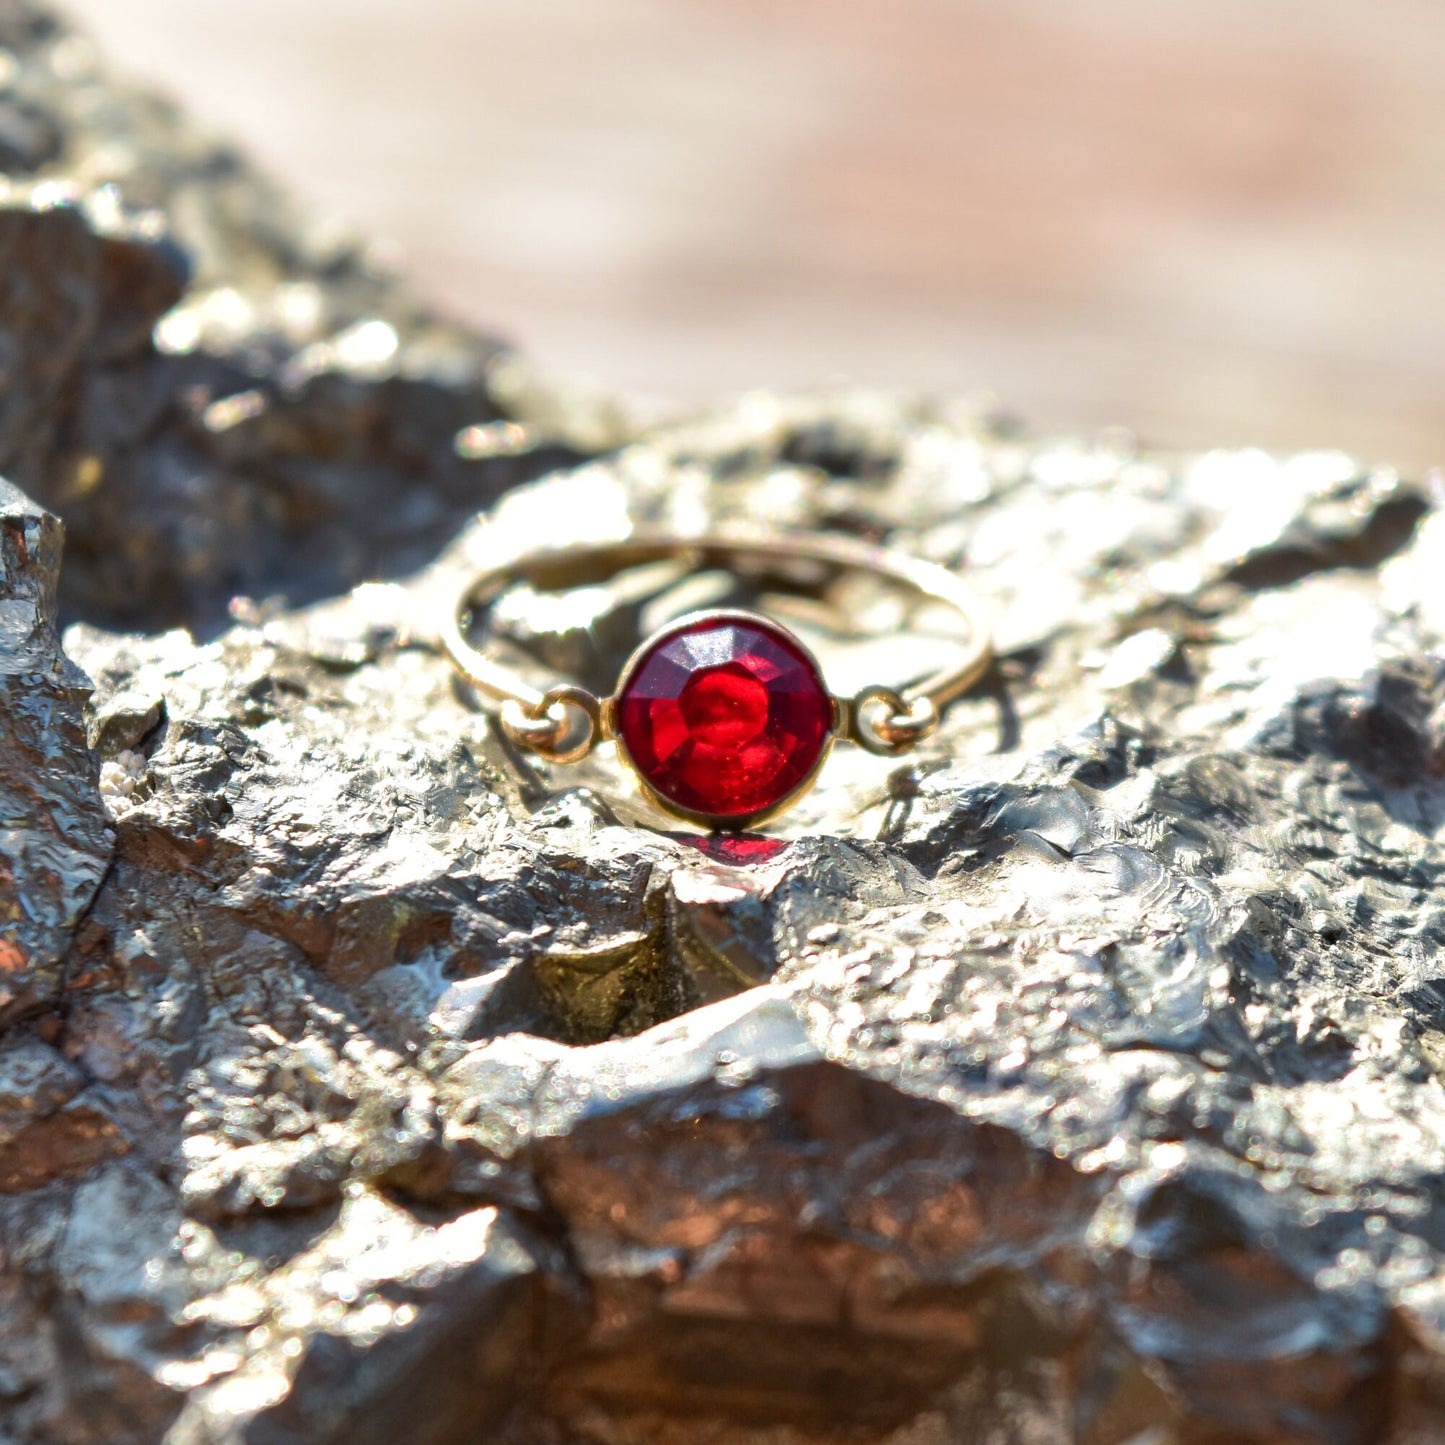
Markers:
{"x": 881, "y": 718}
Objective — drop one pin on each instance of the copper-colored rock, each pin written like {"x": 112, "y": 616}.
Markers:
{"x": 54, "y": 840}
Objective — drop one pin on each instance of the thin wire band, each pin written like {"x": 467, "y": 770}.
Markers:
{"x": 533, "y": 717}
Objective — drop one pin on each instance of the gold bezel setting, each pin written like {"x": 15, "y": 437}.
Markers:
{"x": 719, "y": 822}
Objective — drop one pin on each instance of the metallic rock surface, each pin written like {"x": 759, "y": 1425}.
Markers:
{"x": 1076, "y": 1079}
{"x": 55, "y": 840}
{"x": 222, "y": 396}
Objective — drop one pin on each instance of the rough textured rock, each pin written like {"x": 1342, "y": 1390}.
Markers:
{"x": 54, "y": 838}
{"x": 1076, "y": 1080}
{"x": 222, "y": 396}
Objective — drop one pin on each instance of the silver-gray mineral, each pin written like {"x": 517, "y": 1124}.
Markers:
{"x": 363, "y": 1081}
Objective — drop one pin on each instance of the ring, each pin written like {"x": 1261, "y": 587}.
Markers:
{"x": 722, "y": 715}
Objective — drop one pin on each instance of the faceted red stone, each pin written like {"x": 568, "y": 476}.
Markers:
{"x": 725, "y": 716}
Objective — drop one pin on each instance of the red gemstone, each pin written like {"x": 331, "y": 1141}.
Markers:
{"x": 725, "y": 716}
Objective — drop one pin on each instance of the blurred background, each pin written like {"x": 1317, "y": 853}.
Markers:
{"x": 1212, "y": 221}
